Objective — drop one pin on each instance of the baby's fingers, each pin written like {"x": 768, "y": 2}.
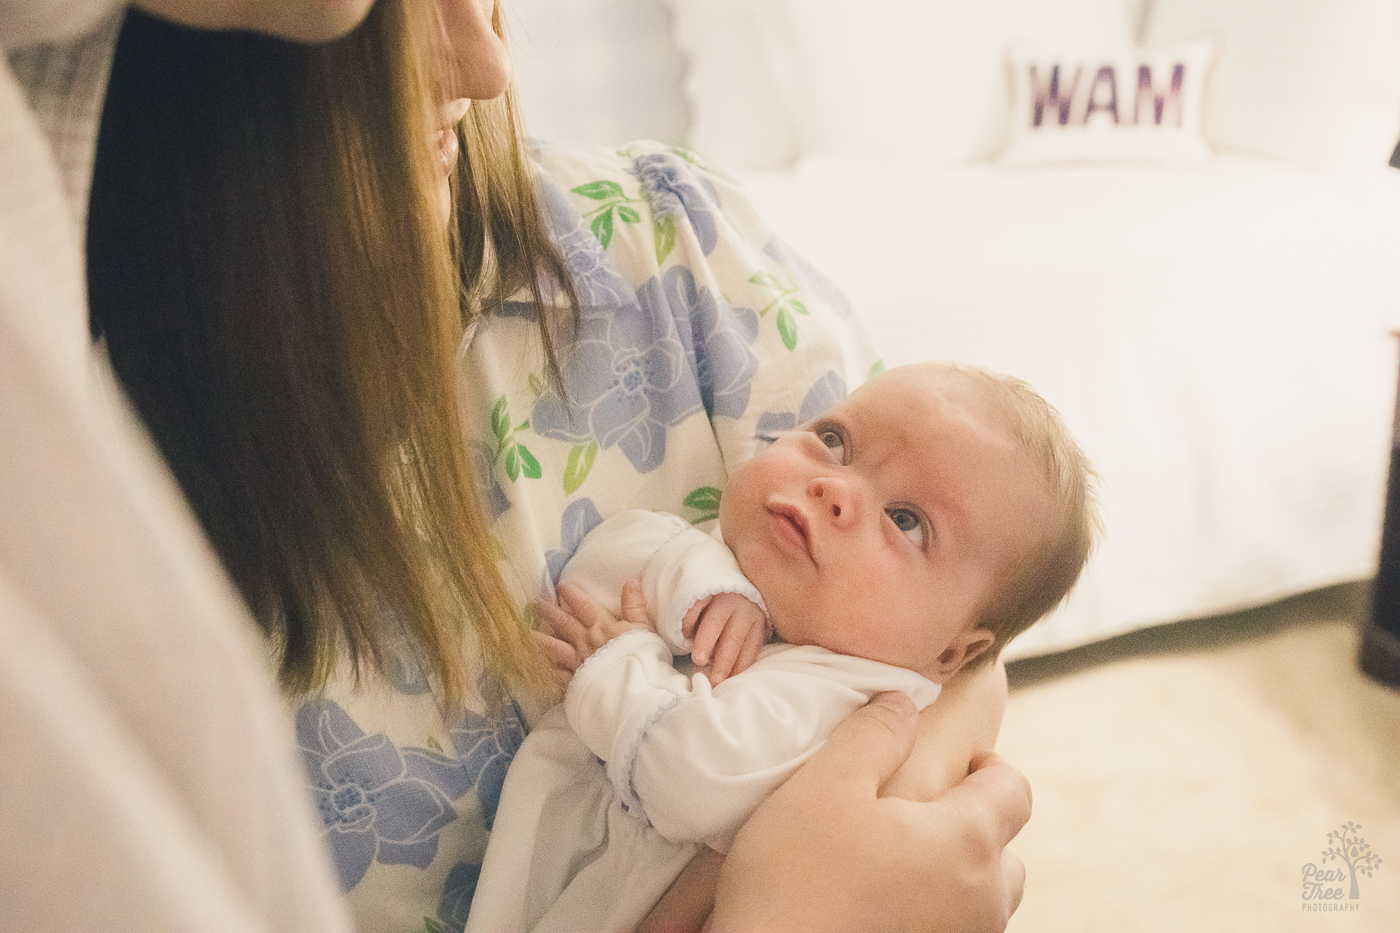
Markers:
{"x": 560, "y": 654}
{"x": 691, "y": 620}
{"x": 555, "y": 621}
{"x": 753, "y": 644}
{"x": 702, "y": 643}
{"x": 729, "y": 649}
{"x": 588, "y": 611}
{"x": 634, "y": 604}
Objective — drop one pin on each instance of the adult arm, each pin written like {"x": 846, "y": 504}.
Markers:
{"x": 865, "y": 862}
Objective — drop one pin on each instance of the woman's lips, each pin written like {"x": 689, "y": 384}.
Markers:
{"x": 790, "y": 528}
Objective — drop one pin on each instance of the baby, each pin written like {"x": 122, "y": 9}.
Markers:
{"x": 906, "y": 535}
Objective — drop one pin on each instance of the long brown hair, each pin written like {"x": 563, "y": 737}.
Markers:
{"x": 500, "y": 237}
{"x": 270, "y": 274}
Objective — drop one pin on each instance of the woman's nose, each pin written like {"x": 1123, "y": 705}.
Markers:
{"x": 837, "y": 496}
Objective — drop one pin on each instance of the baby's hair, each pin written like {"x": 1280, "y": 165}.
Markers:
{"x": 1048, "y": 570}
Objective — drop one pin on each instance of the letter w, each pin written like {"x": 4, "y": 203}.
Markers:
{"x": 1048, "y": 95}
{"x": 1147, "y": 92}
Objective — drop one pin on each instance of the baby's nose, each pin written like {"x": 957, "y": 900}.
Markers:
{"x": 836, "y": 495}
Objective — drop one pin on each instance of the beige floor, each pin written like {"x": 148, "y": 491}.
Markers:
{"x": 1184, "y": 777}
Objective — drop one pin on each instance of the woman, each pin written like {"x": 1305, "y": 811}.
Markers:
{"x": 126, "y": 805}
{"x": 271, "y": 283}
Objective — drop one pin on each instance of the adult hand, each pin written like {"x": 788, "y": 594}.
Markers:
{"x": 827, "y": 853}
{"x": 958, "y": 728}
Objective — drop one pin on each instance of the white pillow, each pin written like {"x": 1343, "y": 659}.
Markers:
{"x": 925, "y": 81}
{"x": 735, "y": 81}
{"x": 573, "y": 84}
{"x": 901, "y": 80}
{"x": 1314, "y": 82}
{"x": 1129, "y": 105}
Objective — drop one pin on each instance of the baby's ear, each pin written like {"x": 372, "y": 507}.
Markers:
{"x": 965, "y": 646}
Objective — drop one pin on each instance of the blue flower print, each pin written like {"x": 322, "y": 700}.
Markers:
{"x": 672, "y": 188}
{"x": 722, "y": 335}
{"x": 494, "y": 501}
{"x": 598, "y": 284}
{"x": 457, "y": 896}
{"x": 405, "y": 669}
{"x": 404, "y": 666}
{"x": 485, "y": 748}
{"x": 825, "y": 394}
{"x": 376, "y": 802}
{"x": 625, "y": 380}
{"x": 579, "y": 519}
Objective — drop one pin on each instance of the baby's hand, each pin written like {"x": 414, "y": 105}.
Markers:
{"x": 727, "y": 631}
{"x": 582, "y": 625}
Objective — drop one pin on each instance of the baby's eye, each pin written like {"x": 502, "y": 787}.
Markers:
{"x": 909, "y": 522}
{"x": 832, "y": 440}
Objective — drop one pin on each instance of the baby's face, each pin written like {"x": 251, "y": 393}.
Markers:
{"x": 879, "y": 529}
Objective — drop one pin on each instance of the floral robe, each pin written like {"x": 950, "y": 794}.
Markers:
{"x": 701, "y": 334}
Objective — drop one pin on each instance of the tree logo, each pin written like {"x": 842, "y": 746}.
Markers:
{"x": 1345, "y": 847}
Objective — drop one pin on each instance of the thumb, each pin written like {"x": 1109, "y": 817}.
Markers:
{"x": 868, "y": 747}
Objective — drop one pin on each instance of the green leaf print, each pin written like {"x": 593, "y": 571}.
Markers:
{"x": 767, "y": 280}
{"x": 500, "y": 420}
{"x": 528, "y": 464}
{"x": 602, "y": 190}
{"x": 614, "y": 199}
{"x": 876, "y": 368}
{"x": 787, "y": 328}
{"x": 580, "y": 463}
{"x": 665, "y": 237}
{"x": 603, "y": 227}
{"x": 705, "y": 500}
{"x": 785, "y": 300}
{"x": 518, "y": 460}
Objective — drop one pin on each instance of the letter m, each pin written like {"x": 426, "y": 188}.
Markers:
{"x": 1147, "y": 92}
{"x": 1048, "y": 95}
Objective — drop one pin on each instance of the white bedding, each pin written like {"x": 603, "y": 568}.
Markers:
{"x": 1217, "y": 336}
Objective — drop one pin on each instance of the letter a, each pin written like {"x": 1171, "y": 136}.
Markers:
{"x": 1106, "y": 73}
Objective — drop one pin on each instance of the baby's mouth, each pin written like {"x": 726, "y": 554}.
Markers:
{"x": 790, "y": 526}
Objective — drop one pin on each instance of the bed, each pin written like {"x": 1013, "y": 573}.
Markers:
{"x": 1175, "y": 218}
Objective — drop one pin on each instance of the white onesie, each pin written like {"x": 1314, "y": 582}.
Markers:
{"x": 614, "y": 791}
